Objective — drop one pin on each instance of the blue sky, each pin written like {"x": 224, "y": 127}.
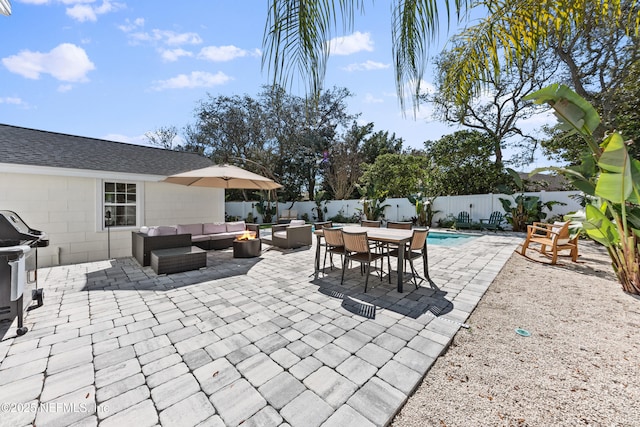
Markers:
{"x": 116, "y": 70}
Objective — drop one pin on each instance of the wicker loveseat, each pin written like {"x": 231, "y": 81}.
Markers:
{"x": 203, "y": 235}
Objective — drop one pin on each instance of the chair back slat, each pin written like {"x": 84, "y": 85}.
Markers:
{"x": 369, "y": 223}
{"x": 418, "y": 239}
{"x": 356, "y": 242}
{"x": 399, "y": 225}
{"x": 333, "y": 236}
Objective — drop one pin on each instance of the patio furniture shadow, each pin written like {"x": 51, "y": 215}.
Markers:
{"x": 126, "y": 274}
{"x": 412, "y": 303}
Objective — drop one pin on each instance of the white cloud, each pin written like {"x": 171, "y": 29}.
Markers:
{"x": 138, "y": 140}
{"x": 81, "y": 11}
{"x": 65, "y": 88}
{"x": 12, "y": 101}
{"x": 172, "y": 55}
{"x": 129, "y": 26}
{"x": 354, "y": 43}
{"x": 66, "y": 62}
{"x": 225, "y": 53}
{"x": 370, "y": 99}
{"x": 169, "y": 38}
{"x": 194, "y": 80}
{"x": 367, "y": 66}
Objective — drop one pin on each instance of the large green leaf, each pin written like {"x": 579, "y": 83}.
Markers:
{"x": 599, "y": 228}
{"x": 569, "y": 106}
{"x": 615, "y": 182}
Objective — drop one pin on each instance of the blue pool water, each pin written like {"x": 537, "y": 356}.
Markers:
{"x": 448, "y": 239}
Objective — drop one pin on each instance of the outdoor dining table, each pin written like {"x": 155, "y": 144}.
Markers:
{"x": 395, "y": 236}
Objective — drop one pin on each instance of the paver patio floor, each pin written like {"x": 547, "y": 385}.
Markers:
{"x": 258, "y": 341}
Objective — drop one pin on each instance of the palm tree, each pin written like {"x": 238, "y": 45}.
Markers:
{"x": 297, "y": 33}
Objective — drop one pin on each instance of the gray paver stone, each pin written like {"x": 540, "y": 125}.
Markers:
{"x": 352, "y": 341}
{"x": 160, "y": 353}
{"x": 216, "y": 375}
{"x": 119, "y": 387}
{"x": 331, "y": 355}
{"x": 281, "y": 389}
{"x": 306, "y": 366}
{"x": 174, "y": 391}
{"x": 67, "y": 381}
{"x": 374, "y": 354}
{"x": 330, "y": 386}
{"x": 196, "y": 358}
{"x": 259, "y": 369}
{"x": 135, "y": 337}
{"x": 19, "y": 359}
{"x": 197, "y": 341}
{"x": 143, "y": 414}
{"x": 22, "y": 371}
{"x": 266, "y": 417}
{"x": 377, "y": 401}
{"x": 81, "y": 401}
{"x": 114, "y": 357}
{"x": 400, "y": 376}
{"x": 389, "y": 342}
{"x": 237, "y": 402}
{"x": 160, "y": 364}
{"x": 347, "y": 416}
{"x": 22, "y": 390}
{"x": 417, "y": 361}
{"x": 188, "y": 412}
{"x": 123, "y": 401}
{"x": 152, "y": 344}
{"x": 117, "y": 372}
{"x": 426, "y": 346}
{"x": 357, "y": 370}
{"x": 167, "y": 374}
{"x": 285, "y": 358}
{"x": 306, "y": 410}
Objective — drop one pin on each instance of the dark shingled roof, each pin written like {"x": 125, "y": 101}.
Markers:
{"x": 40, "y": 148}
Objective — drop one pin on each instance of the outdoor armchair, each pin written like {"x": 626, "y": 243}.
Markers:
{"x": 292, "y": 235}
{"x": 356, "y": 248}
{"x": 551, "y": 237}
{"x": 493, "y": 222}
{"x": 463, "y": 220}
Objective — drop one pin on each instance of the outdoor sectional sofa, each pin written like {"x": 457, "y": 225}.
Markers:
{"x": 205, "y": 236}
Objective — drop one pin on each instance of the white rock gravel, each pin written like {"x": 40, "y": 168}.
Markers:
{"x": 580, "y": 366}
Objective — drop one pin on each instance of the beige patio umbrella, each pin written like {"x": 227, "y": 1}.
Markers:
{"x": 5, "y": 7}
{"x": 223, "y": 176}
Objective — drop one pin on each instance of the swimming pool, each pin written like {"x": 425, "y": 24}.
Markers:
{"x": 444, "y": 238}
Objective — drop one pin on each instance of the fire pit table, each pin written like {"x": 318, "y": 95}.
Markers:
{"x": 247, "y": 247}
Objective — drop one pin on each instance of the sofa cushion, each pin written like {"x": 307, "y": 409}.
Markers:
{"x": 236, "y": 226}
{"x": 162, "y": 230}
{"x": 295, "y": 222}
{"x": 193, "y": 229}
{"x": 214, "y": 228}
{"x": 223, "y": 236}
{"x": 280, "y": 235}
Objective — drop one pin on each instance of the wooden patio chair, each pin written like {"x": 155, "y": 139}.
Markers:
{"x": 493, "y": 222}
{"x": 334, "y": 244}
{"x": 413, "y": 251}
{"x": 369, "y": 223}
{"x": 356, "y": 248}
{"x": 400, "y": 225}
{"x": 551, "y": 238}
{"x": 463, "y": 220}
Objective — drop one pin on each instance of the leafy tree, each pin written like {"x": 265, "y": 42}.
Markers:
{"x": 398, "y": 175}
{"x": 380, "y": 143}
{"x": 461, "y": 164}
{"x": 163, "y": 137}
{"x": 499, "y": 110}
{"x": 296, "y": 36}
{"x": 342, "y": 166}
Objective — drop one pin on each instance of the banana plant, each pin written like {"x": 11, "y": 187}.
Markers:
{"x": 610, "y": 176}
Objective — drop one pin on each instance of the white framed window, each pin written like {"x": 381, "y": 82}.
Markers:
{"x": 121, "y": 204}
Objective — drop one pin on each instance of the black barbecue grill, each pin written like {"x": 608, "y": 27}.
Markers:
{"x": 19, "y": 245}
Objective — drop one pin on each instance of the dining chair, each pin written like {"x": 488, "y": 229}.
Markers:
{"x": 414, "y": 250}
{"x": 323, "y": 224}
{"x": 356, "y": 248}
{"x": 334, "y": 244}
{"x": 369, "y": 223}
{"x": 400, "y": 225}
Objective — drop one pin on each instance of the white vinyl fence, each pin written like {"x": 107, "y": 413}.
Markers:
{"x": 479, "y": 206}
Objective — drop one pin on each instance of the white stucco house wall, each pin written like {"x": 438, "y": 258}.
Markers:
{"x": 64, "y": 185}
